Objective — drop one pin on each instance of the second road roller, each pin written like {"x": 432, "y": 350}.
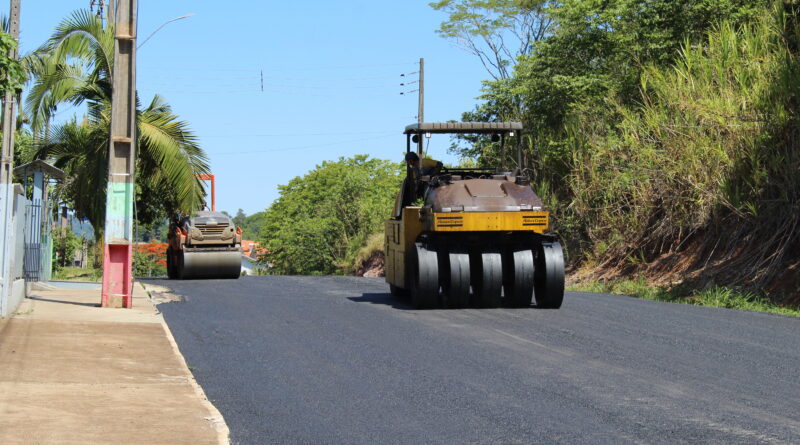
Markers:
{"x": 463, "y": 237}
{"x": 207, "y": 245}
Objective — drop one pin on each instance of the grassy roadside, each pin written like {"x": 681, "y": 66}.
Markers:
{"x": 78, "y": 274}
{"x": 716, "y": 296}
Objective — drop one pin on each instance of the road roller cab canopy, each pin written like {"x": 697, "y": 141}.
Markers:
{"x": 500, "y": 131}
{"x": 463, "y": 127}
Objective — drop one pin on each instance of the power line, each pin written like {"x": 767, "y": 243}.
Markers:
{"x": 306, "y": 68}
{"x": 344, "y": 79}
{"x": 333, "y": 87}
{"x": 257, "y": 77}
{"x": 275, "y": 85}
{"x": 206, "y": 78}
{"x": 386, "y": 132}
{"x": 303, "y": 147}
{"x": 163, "y": 91}
{"x": 256, "y": 90}
{"x": 210, "y": 85}
{"x": 301, "y": 79}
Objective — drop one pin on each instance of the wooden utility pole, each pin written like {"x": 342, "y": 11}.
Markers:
{"x": 6, "y": 170}
{"x": 118, "y": 252}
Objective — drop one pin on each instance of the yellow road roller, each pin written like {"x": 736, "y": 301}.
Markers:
{"x": 471, "y": 237}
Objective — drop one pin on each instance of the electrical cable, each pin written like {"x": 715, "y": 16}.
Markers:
{"x": 307, "y": 68}
{"x": 288, "y": 93}
{"x": 386, "y": 132}
{"x": 301, "y": 147}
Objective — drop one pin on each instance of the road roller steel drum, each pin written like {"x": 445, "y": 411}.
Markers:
{"x": 207, "y": 245}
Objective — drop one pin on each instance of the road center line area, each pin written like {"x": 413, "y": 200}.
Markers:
{"x": 291, "y": 359}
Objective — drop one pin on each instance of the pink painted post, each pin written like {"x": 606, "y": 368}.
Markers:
{"x": 117, "y": 281}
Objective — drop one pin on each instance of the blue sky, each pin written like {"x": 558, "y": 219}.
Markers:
{"x": 331, "y": 74}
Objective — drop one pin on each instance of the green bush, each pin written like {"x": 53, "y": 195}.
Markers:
{"x": 322, "y": 219}
{"x": 64, "y": 247}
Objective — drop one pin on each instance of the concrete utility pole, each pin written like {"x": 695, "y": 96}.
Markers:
{"x": 118, "y": 251}
{"x": 111, "y": 11}
{"x": 421, "y": 105}
{"x": 7, "y": 167}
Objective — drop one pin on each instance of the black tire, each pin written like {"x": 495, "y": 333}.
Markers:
{"x": 424, "y": 269}
{"x": 518, "y": 277}
{"x": 179, "y": 266}
{"x": 454, "y": 267}
{"x": 170, "y": 265}
{"x": 487, "y": 278}
{"x": 549, "y": 277}
{"x": 397, "y": 291}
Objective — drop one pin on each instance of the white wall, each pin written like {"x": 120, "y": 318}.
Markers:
{"x": 17, "y": 285}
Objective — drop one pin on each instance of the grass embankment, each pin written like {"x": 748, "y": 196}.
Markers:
{"x": 369, "y": 256}
{"x": 77, "y": 274}
{"x": 715, "y": 296}
{"x": 698, "y": 179}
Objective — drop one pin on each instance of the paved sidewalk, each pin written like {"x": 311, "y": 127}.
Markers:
{"x": 74, "y": 373}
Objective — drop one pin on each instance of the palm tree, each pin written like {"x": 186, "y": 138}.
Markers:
{"x": 75, "y": 66}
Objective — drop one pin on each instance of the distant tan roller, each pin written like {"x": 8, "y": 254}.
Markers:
{"x": 208, "y": 245}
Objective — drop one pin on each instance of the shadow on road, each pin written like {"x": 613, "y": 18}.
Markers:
{"x": 51, "y": 300}
{"x": 405, "y": 304}
{"x": 385, "y": 299}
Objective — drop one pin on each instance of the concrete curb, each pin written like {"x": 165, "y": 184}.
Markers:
{"x": 215, "y": 417}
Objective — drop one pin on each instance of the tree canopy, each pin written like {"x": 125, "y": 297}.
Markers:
{"x": 321, "y": 219}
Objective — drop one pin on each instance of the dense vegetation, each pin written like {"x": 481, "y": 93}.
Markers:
{"x": 322, "y": 219}
{"x": 662, "y": 133}
{"x": 13, "y": 74}
{"x": 250, "y": 224}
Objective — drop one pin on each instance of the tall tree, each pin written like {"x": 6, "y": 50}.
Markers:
{"x": 496, "y": 31}
{"x": 74, "y": 66}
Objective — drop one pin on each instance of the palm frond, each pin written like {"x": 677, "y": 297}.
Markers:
{"x": 168, "y": 150}
{"x": 55, "y": 84}
{"x": 82, "y": 36}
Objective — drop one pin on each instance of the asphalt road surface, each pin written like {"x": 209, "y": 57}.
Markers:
{"x": 339, "y": 360}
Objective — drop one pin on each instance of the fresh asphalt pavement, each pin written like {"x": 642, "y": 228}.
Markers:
{"x": 339, "y": 360}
